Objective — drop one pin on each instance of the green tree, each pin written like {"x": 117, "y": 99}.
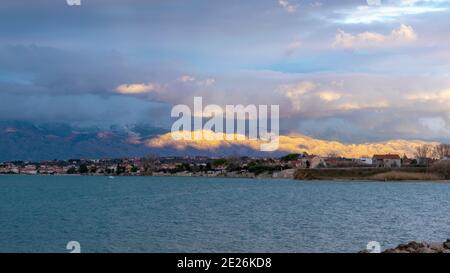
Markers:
{"x": 83, "y": 169}
{"x": 290, "y": 157}
{"x": 72, "y": 170}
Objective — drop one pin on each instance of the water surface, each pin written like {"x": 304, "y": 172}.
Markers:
{"x": 153, "y": 214}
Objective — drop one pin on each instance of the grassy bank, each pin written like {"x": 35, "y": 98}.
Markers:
{"x": 402, "y": 176}
{"x": 376, "y": 174}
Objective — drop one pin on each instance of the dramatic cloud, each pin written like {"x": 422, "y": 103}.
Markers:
{"x": 386, "y": 76}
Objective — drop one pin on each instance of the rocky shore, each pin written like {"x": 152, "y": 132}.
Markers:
{"x": 415, "y": 247}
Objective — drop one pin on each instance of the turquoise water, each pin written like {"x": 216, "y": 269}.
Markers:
{"x": 151, "y": 214}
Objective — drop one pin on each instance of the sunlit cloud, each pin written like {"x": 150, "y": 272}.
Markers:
{"x": 400, "y": 36}
{"x": 136, "y": 88}
{"x": 358, "y": 106}
{"x": 440, "y": 97}
{"x": 329, "y": 96}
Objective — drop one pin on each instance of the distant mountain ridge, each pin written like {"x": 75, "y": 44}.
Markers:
{"x": 296, "y": 143}
{"x": 29, "y": 141}
{"x": 47, "y": 141}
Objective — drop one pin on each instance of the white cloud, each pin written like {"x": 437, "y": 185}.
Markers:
{"x": 440, "y": 97}
{"x": 186, "y": 78}
{"x": 349, "y": 106}
{"x": 436, "y": 125}
{"x": 137, "y": 88}
{"x": 190, "y": 79}
{"x": 374, "y": 2}
{"x": 295, "y": 92}
{"x": 398, "y": 37}
{"x": 288, "y": 6}
{"x": 384, "y": 13}
{"x": 404, "y": 33}
{"x": 414, "y": 2}
{"x": 329, "y": 96}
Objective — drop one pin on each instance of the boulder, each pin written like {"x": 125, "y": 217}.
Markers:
{"x": 447, "y": 244}
{"x": 439, "y": 248}
{"x": 415, "y": 247}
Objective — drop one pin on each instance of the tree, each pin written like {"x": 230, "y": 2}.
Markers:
{"x": 72, "y": 170}
{"x": 83, "y": 168}
{"x": 290, "y": 157}
{"x": 219, "y": 162}
{"x": 423, "y": 151}
{"x": 119, "y": 169}
{"x": 234, "y": 164}
{"x": 442, "y": 168}
{"x": 149, "y": 164}
{"x": 441, "y": 151}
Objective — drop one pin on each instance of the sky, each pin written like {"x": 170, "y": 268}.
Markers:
{"x": 351, "y": 70}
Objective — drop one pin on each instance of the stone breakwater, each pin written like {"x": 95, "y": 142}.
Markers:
{"x": 415, "y": 247}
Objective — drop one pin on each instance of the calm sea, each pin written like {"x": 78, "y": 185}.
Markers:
{"x": 151, "y": 214}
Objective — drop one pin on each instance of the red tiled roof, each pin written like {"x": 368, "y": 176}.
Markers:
{"x": 388, "y": 156}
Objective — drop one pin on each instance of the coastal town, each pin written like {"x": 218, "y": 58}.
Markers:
{"x": 300, "y": 166}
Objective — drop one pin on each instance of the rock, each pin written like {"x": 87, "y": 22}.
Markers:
{"x": 415, "y": 247}
{"x": 425, "y": 250}
{"x": 447, "y": 244}
{"x": 402, "y": 246}
{"x": 400, "y": 252}
{"x": 437, "y": 247}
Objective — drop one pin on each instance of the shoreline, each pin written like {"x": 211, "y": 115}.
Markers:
{"x": 337, "y": 180}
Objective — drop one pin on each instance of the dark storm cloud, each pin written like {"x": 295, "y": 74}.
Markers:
{"x": 320, "y": 61}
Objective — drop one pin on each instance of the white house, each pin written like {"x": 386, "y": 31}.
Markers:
{"x": 387, "y": 161}
{"x": 366, "y": 160}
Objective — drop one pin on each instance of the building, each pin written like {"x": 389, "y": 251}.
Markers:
{"x": 29, "y": 169}
{"x": 387, "y": 161}
{"x": 366, "y": 160}
{"x": 311, "y": 162}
